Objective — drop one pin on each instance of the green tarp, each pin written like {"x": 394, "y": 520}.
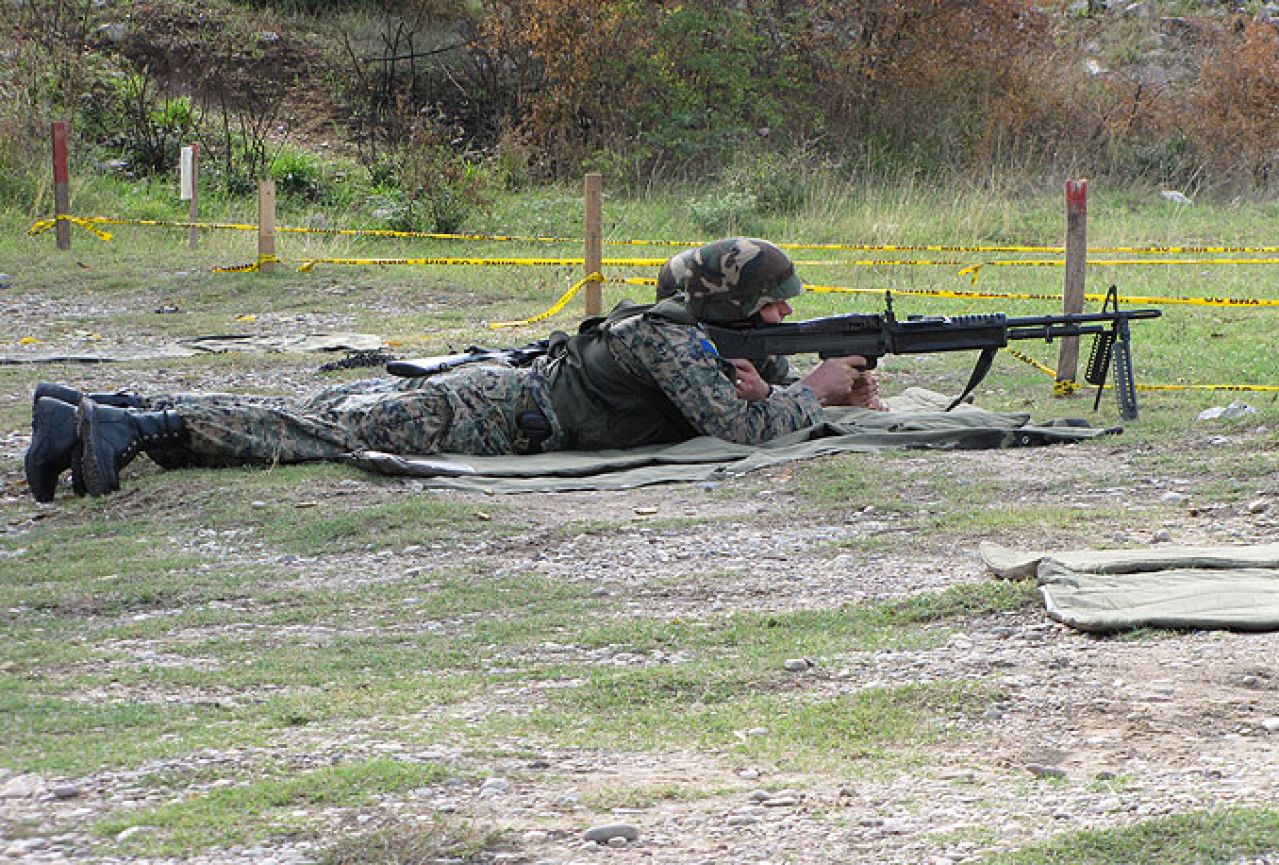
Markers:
{"x": 1234, "y": 587}
{"x": 916, "y": 421}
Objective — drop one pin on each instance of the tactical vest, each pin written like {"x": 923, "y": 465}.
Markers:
{"x": 599, "y": 403}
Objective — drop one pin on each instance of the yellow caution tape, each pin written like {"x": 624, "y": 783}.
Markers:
{"x": 44, "y": 225}
{"x": 1067, "y": 387}
{"x": 1262, "y": 388}
{"x": 309, "y": 265}
{"x": 1025, "y": 358}
{"x": 555, "y": 307}
{"x": 87, "y": 224}
{"x": 973, "y": 271}
{"x": 1002, "y": 295}
{"x": 252, "y": 267}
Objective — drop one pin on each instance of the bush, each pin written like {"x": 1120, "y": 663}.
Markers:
{"x": 301, "y": 175}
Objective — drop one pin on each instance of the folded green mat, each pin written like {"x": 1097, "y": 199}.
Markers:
{"x": 1234, "y": 587}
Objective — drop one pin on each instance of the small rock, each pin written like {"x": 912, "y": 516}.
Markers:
{"x": 1039, "y": 770}
{"x": 1173, "y": 498}
{"x": 748, "y": 774}
{"x": 796, "y": 665}
{"x": 1270, "y": 725}
{"x": 603, "y": 834}
{"x": 1162, "y": 536}
{"x": 21, "y": 787}
{"x": 1229, "y": 412}
{"x": 495, "y": 787}
{"x": 780, "y": 802}
{"x": 132, "y": 831}
{"x": 23, "y": 846}
{"x": 617, "y": 841}
{"x": 6, "y": 281}
{"x": 65, "y": 791}
{"x": 1260, "y": 506}
{"x": 741, "y": 819}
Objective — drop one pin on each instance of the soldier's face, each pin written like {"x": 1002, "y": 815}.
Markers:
{"x": 775, "y": 312}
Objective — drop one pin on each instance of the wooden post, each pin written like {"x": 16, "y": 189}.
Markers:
{"x": 61, "y": 187}
{"x": 594, "y": 243}
{"x": 1072, "y": 295}
{"x": 191, "y": 191}
{"x": 266, "y": 225}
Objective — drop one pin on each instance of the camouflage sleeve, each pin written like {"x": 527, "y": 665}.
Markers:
{"x": 776, "y": 369}
{"x": 690, "y": 372}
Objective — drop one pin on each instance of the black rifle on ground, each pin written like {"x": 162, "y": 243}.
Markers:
{"x": 422, "y": 366}
{"x": 873, "y": 336}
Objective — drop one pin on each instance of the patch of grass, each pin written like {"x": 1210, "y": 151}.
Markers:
{"x": 263, "y": 809}
{"x": 402, "y": 521}
{"x": 607, "y": 798}
{"x": 57, "y": 734}
{"x": 633, "y": 709}
{"x": 856, "y": 480}
{"x": 439, "y": 840}
{"x": 1202, "y": 837}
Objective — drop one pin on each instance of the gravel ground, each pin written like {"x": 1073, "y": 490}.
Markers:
{"x": 1090, "y": 733}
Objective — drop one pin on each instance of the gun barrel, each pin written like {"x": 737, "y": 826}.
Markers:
{"x": 1083, "y": 317}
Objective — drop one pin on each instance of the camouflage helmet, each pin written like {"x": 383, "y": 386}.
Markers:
{"x": 732, "y": 279}
{"x": 672, "y": 279}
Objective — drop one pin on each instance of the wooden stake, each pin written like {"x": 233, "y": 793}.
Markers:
{"x": 193, "y": 209}
{"x": 1072, "y": 295}
{"x": 266, "y": 225}
{"x": 594, "y": 242}
{"x": 61, "y": 185}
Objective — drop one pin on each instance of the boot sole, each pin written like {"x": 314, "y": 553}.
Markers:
{"x": 96, "y": 481}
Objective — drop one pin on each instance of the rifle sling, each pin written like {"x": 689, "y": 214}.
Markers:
{"x": 979, "y": 372}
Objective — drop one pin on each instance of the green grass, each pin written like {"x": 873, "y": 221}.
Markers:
{"x": 1198, "y": 838}
{"x": 263, "y": 809}
{"x": 244, "y": 609}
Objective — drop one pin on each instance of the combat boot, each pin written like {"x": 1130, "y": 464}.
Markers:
{"x": 71, "y": 396}
{"x": 165, "y": 458}
{"x": 53, "y": 448}
{"x": 111, "y": 437}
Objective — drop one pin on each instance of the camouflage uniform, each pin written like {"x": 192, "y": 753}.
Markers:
{"x": 467, "y": 410}
{"x": 672, "y": 281}
{"x": 473, "y": 409}
{"x": 666, "y": 365}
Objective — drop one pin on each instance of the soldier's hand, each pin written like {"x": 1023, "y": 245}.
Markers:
{"x": 845, "y": 381}
{"x": 750, "y": 385}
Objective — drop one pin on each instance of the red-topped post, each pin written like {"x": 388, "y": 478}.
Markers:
{"x": 61, "y": 185}
{"x": 1072, "y": 295}
{"x": 594, "y": 247}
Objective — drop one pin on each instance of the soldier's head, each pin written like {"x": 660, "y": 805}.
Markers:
{"x": 729, "y": 281}
{"x": 672, "y": 278}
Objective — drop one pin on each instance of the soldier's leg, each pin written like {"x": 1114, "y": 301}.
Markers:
{"x": 327, "y": 426}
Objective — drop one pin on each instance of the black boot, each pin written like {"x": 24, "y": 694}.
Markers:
{"x": 72, "y": 396}
{"x": 53, "y": 448}
{"x": 165, "y": 458}
{"x": 111, "y": 437}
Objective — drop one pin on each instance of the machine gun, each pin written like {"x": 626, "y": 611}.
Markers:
{"x": 874, "y": 335}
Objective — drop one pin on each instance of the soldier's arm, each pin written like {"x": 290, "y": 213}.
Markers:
{"x": 689, "y": 371}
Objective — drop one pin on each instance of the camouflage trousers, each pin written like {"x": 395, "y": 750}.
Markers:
{"x": 470, "y": 410}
